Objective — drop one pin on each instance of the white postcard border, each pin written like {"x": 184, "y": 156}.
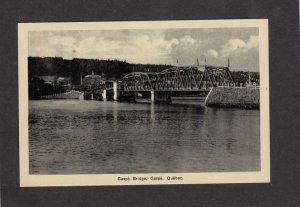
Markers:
{"x": 262, "y": 176}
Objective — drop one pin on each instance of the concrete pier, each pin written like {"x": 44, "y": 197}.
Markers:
{"x": 115, "y": 91}
{"x": 152, "y": 97}
{"x": 104, "y": 95}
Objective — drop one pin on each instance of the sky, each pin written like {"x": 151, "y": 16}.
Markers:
{"x": 153, "y": 46}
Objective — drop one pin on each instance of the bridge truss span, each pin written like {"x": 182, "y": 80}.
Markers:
{"x": 187, "y": 78}
{"x": 139, "y": 81}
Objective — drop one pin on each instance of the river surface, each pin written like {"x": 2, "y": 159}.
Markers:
{"x": 82, "y": 137}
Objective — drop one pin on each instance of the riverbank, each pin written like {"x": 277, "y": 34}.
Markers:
{"x": 67, "y": 95}
{"x": 235, "y": 97}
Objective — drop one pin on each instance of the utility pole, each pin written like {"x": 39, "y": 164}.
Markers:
{"x": 228, "y": 61}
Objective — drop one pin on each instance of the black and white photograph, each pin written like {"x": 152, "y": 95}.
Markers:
{"x": 138, "y": 103}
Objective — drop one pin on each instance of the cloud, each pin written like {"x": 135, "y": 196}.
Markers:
{"x": 186, "y": 50}
{"x": 187, "y": 40}
{"x": 233, "y": 45}
{"x": 253, "y": 42}
{"x": 62, "y": 40}
{"x": 238, "y": 45}
{"x": 164, "y": 46}
{"x": 86, "y": 46}
{"x": 212, "y": 53}
{"x": 87, "y": 43}
{"x": 44, "y": 51}
{"x": 148, "y": 48}
{"x": 144, "y": 42}
{"x": 140, "y": 47}
{"x": 155, "y": 47}
{"x": 174, "y": 41}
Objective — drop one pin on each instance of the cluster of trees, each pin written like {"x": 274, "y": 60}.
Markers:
{"x": 243, "y": 76}
{"x": 38, "y": 88}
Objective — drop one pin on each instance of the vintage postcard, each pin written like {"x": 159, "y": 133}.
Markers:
{"x": 144, "y": 102}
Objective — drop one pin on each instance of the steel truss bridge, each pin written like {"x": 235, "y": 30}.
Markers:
{"x": 185, "y": 78}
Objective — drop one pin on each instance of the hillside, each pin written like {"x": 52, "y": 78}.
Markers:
{"x": 109, "y": 69}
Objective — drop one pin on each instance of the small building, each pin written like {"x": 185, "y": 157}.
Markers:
{"x": 88, "y": 79}
{"x": 93, "y": 86}
{"x": 93, "y": 81}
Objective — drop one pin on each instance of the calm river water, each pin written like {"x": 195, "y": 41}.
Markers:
{"x": 74, "y": 137}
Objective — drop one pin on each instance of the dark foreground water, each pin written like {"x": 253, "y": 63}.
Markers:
{"x": 74, "y": 137}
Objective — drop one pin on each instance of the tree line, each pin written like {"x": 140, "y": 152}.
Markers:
{"x": 109, "y": 69}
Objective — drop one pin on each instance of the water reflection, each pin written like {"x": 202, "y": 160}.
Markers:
{"x": 109, "y": 137}
{"x": 152, "y": 116}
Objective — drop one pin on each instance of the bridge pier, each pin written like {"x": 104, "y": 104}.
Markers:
{"x": 115, "y": 91}
{"x": 104, "y": 95}
{"x": 152, "y": 96}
